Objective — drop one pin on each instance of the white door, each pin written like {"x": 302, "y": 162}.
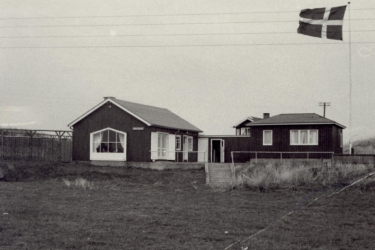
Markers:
{"x": 202, "y": 149}
{"x": 185, "y": 148}
{"x": 222, "y": 151}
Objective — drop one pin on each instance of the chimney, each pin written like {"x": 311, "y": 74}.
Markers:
{"x": 266, "y": 115}
{"x": 109, "y": 97}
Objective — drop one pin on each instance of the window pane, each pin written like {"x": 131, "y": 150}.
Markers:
{"x": 313, "y": 136}
{"x": 178, "y": 142}
{"x": 303, "y": 137}
{"x": 120, "y": 148}
{"x": 104, "y": 147}
{"x": 111, "y": 147}
{"x": 112, "y": 136}
{"x": 105, "y": 136}
{"x": 294, "y": 137}
{"x": 190, "y": 141}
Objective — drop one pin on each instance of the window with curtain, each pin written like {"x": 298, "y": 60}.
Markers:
{"x": 108, "y": 141}
{"x": 304, "y": 137}
{"x": 267, "y": 137}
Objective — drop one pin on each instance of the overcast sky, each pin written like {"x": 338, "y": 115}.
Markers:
{"x": 211, "y": 62}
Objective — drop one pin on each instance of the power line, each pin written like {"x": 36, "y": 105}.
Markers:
{"x": 155, "y": 24}
{"x": 180, "y": 45}
{"x": 165, "y": 15}
{"x": 178, "y": 34}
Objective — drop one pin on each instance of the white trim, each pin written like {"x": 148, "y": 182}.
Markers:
{"x": 264, "y": 144}
{"x": 101, "y": 104}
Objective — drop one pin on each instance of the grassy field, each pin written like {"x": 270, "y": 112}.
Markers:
{"x": 49, "y": 206}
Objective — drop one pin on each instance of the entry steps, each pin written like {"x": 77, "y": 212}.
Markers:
{"x": 219, "y": 174}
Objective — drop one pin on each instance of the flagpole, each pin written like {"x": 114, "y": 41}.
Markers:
{"x": 350, "y": 85}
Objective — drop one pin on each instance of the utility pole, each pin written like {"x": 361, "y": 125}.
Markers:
{"x": 324, "y": 104}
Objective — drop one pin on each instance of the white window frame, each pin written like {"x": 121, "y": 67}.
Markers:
{"x": 107, "y": 156}
{"x": 299, "y": 143}
{"x": 264, "y": 137}
{"x": 190, "y": 143}
{"x": 178, "y": 142}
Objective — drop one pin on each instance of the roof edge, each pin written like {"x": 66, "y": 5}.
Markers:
{"x": 189, "y": 130}
{"x": 100, "y": 105}
{"x": 250, "y": 118}
{"x": 294, "y": 123}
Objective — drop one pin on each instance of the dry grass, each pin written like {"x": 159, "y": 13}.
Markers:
{"x": 273, "y": 175}
{"x": 145, "y": 209}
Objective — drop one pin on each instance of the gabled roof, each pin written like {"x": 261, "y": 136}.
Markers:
{"x": 247, "y": 119}
{"x": 295, "y": 119}
{"x": 150, "y": 115}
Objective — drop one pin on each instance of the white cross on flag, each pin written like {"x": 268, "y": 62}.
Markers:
{"x": 322, "y": 22}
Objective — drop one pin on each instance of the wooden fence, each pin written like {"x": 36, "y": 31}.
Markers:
{"x": 36, "y": 145}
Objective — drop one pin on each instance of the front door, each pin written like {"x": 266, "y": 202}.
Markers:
{"x": 217, "y": 150}
{"x": 185, "y": 148}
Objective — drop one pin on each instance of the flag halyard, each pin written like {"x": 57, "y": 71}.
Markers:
{"x": 322, "y": 22}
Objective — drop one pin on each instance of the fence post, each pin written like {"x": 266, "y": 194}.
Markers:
{"x": 207, "y": 173}
{"x": 256, "y": 157}
{"x": 281, "y": 156}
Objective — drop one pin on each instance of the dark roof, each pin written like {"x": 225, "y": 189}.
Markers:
{"x": 150, "y": 115}
{"x": 295, "y": 119}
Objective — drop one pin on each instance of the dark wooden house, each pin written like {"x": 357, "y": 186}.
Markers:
{"x": 117, "y": 130}
{"x": 306, "y": 134}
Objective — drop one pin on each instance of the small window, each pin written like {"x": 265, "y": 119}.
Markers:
{"x": 267, "y": 137}
{"x": 245, "y": 131}
{"x": 178, "y": 142}
{"x": 190, "y": 143}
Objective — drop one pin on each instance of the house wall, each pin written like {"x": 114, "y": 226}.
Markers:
{"x": 327, "y": 139}
{"x": 238, "y": 143}
{"x": 138, "y": 141}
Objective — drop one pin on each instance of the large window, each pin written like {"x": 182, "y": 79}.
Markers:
{"x": 267, "y": 137}
{"x": 304, "y": 137}
{"x": 108, "y": 144}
